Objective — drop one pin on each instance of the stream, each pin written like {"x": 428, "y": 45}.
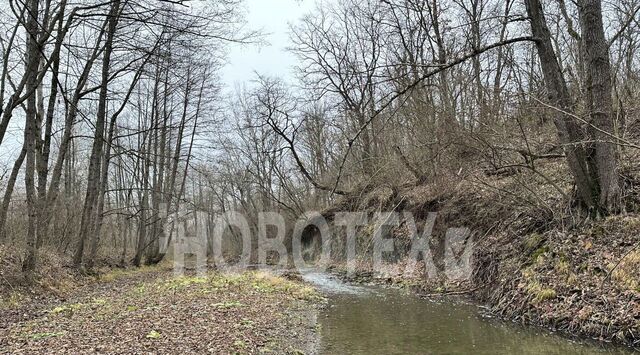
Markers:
{"x": 377, "y": 320}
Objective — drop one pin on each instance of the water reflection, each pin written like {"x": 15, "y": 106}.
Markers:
{"x": 363, "y": 320}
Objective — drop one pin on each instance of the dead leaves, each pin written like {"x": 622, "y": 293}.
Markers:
{"x": 243, "y": 313}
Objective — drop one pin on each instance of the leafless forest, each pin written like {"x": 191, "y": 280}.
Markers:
{"x": 519, "y": 119}
{"x": 112, "y": 113}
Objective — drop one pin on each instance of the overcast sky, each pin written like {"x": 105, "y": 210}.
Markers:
{"x": 273, "y": 17}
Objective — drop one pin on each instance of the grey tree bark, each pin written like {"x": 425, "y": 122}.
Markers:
{"x": 569, "y": 132}
{"x": 96, "y": 151}
{"x": 599, "y": 102}
{"x": 11, "y": 183}
{"x": 33, "y": 63}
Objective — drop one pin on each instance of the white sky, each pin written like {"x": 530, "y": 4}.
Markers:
{"x": 273, "y": 17}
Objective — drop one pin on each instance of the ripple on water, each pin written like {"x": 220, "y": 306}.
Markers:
{"x": 330, "y": 284}
{"x": 374, "y": 320}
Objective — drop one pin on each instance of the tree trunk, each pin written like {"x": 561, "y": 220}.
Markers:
{"x": 6, "y": 200}
{"x": 144, "y": 206}
{"x": 96, "y": 151}
{"x": 45, "y": 148}
{"x": 33, "y": 63}
{"x": 569, "y": 131}
{"x": 158, "y": 163}
{"x": 599, "y": 102}
{"x": 448, "y": 111}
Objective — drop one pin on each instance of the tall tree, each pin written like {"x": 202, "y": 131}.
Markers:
{"x": 32, "y": 55}
{"x": 93, "y": 180}
{"x": 599, "y": 103}
{"x": 570, "y": 133}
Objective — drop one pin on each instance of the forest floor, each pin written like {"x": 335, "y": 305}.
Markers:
{"x": 153, "y": 311}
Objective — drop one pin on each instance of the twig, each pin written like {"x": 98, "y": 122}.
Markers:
{"x": 619, "y": 262}
{"x": 451, "y": 293}
{"x": 609, "y": 134}
{"x": 418, "y": 81}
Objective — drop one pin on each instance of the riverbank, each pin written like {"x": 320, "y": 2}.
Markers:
{"x": 366, "y": 318}
{"x": 472, "y": 296}
{"x": 567, "y": 273}
{"x": 152, "y": 311}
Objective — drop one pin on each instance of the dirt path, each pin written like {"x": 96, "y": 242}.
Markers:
{"x": 154, "y": 312}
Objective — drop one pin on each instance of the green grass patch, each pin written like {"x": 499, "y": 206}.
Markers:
{"x": 68, "y": 308}
{"x": 267, "y": 283}
{"x": 226, "y": 305}
{"x": 110, "y": 275}
{"x": 239, "y": 344}
{"x": 14, "y": 299}
{"x": 154, "y": 334}
{"x": 540, "y": 293}
{"x": 182, "y": 282}
{"x": 261, "y": 282}
{"x": 246, "y": 323}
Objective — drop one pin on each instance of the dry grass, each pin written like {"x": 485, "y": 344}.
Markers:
{"x": 627, "y": 274}
{"x": 51, "y": 277}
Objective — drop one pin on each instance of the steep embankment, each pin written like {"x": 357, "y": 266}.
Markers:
{"x": 534, "y": 260}
{"x": 582, "y": 281}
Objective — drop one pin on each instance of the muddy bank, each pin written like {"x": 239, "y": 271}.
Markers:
{"x": 583, "y": 281}
{"x": 252, "y": 312}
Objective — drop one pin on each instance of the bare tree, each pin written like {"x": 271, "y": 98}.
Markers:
{"x": 599, "y": 103}
{"x": 31, "y": 83}
{"x": 96, "y": 151}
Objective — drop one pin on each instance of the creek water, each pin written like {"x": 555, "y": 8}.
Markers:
{"x": 377, "y": 320}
